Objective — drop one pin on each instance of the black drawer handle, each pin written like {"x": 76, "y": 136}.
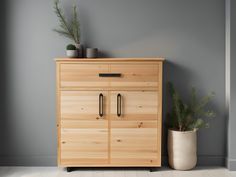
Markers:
{"x": 119, "y": 105}
{"x": 100, "y": 105}
{"x": 109, "y": 74}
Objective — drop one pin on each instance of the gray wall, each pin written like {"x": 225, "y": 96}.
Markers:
{"x": 2, "y": 73}
{"x": 189, "y": 33}
{"x": 231, "y": 82}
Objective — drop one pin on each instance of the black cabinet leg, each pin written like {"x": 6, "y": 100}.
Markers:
{"x": 68, "y": 169}
{"x": 152, "y": 169}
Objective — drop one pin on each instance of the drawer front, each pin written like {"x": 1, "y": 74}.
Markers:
{"x": 83, "y": 75}
{"x": 135, "y": 75}
{"x": 114, "y": 75}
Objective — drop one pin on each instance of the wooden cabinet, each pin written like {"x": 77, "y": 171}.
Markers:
{"x": 109, "y": 112}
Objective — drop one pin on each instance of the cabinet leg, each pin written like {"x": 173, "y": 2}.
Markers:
{"x": 68, "y": 169}
{"x": 152, "y": 169}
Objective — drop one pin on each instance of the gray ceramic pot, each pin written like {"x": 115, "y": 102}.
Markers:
{"x": 72, "y": 53}
{"x": 91, "y": 52}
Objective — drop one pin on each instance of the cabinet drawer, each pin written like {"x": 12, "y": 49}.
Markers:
{"x": 83, "y": 75}
{"x": 109, "y": 75}
{"x": 135, "y": 75}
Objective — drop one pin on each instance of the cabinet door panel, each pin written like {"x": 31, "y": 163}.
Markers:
{"x": 80, "y": 146}
{"x": 84, "y": 134}
{"x": 134, "y": 135}
{"x": 135, "y": 105}
{"x": 82, "y": 105}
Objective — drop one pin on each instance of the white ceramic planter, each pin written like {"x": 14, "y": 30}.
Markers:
{"x": 182, "y": 149}
{"x": 72, "y": 53}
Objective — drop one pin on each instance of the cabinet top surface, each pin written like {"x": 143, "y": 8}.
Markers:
{"x": 160, "y": 59}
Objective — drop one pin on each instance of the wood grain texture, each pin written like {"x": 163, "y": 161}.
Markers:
{"x": 85, "y": 138}
{"x": 58, "y": 113}
{"x": 84, "y": 134}
{"x": 140, "y": 105}
{"x": 80, "y": 60}
{"x": 134, "y": 133}
{"x": 135, "y": 75}
{"x": 82, "y": 105}
{"x": 81, "y": 146}
{"x": 159, "y": 112}
{"x": 83, "y": 75}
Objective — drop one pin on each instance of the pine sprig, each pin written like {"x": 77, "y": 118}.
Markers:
{"x": 70, "y": 30}
{"x": 75, "y": 24}
{"x": 184, "y": 117}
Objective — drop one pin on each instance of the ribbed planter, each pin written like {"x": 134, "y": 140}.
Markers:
{"x": 182, "y": 149}
{"x": 72, "y": 53}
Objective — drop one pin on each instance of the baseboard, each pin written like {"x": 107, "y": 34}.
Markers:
{"x": 28, "y": 160}
{"x": 231, "y": 164}
{"x": 203, "y": 160}
{"x": 206, "y": 160}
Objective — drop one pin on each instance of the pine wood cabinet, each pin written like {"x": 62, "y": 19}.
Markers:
{"x": 109, "y": 112}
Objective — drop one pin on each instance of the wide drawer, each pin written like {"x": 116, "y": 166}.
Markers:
{"x": 109, "y": 75}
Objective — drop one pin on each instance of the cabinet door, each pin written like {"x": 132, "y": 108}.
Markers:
{"x": 134, "y": 128}
{"x": 84, "y": 128}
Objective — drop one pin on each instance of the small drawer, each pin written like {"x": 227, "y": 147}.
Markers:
{"x": 83, "y": 75}
{"x": 135, "y": 75}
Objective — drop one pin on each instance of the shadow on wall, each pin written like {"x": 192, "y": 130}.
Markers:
{"x": 3, "y": 57}
{"x": 181, "y": 77}
{"x": 177, "y": 75}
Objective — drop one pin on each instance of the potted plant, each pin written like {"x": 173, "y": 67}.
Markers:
{"x": 183, "y": 122}
{"x": 70, "y": 28}
{"x": 71, "y": 51}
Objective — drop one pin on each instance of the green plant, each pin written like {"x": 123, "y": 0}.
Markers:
{"x": 69, "y": 29}
{"x": 186, "y": 117}
{"x": 70, "y": 47}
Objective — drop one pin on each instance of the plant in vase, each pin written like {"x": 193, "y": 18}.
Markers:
{"x": 69, "y": 28}
{"x": 71, "y": 51}
{"x": 183, "y": 122}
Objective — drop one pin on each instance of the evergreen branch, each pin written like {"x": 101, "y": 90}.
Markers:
{"x": 62, "y": 20}
{"x": 185, "y": 117}
{"x": 198, "y": 110}
{"x": 63, "y": 33}
{"x": 75, "y": 24}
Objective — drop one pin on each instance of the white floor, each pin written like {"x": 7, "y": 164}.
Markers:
{"x": 162, "y": 172}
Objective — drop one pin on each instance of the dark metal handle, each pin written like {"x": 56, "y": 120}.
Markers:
{"x": 109, "y": 74}
{"x": 100, "y": 104}
{"x": 118, "y": 105}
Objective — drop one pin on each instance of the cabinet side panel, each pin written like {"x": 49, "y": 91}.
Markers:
{"x": 159, "y": 128}
{"x": 58, "y": 114}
